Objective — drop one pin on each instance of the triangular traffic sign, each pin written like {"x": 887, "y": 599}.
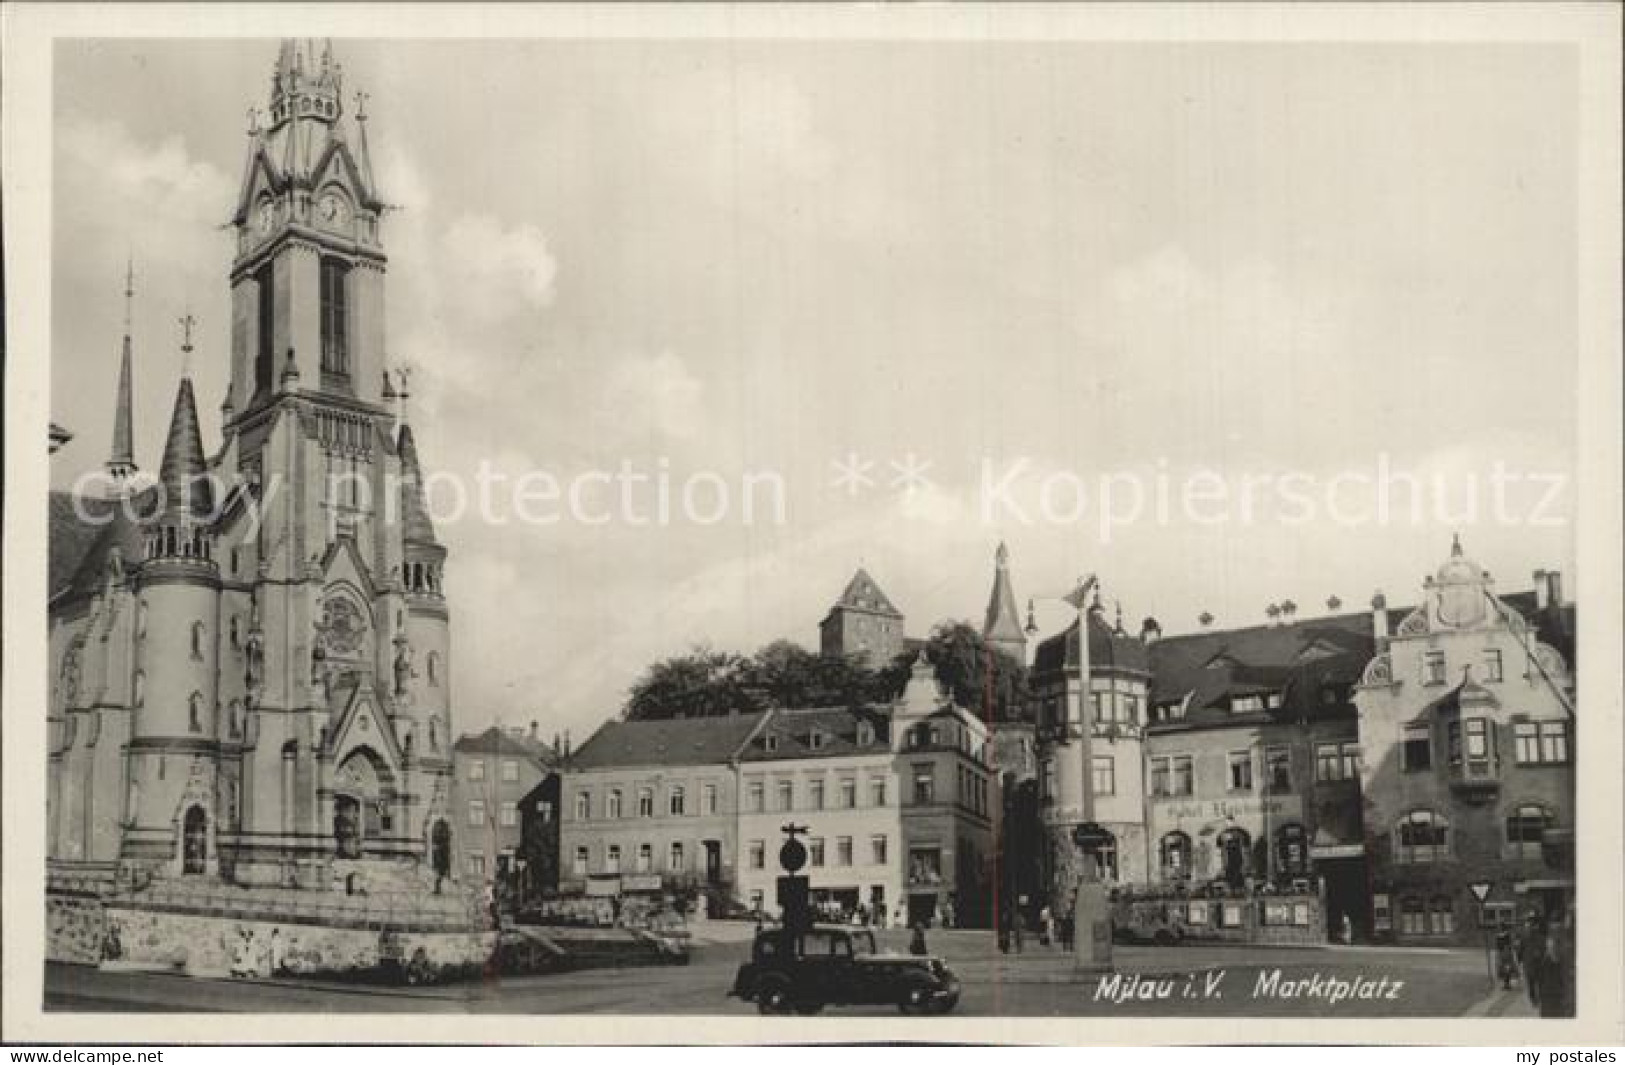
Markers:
{"x": 1481, "y": 890}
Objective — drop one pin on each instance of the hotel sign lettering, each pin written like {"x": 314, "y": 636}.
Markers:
{"x": 1219, "y": 809}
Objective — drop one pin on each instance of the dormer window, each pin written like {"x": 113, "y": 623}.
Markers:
{"x": 815, "y": 740}
{"x": 770, "y": 743}
{"x": 1246, "y": 704}
{"x": 866, "y": 734}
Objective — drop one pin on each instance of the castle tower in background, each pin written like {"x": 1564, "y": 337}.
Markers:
{"x": 252, "y": 668}
{"x": 862, "y": 622}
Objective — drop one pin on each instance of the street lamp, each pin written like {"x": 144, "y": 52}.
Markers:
{"x": 1091, "y": 911}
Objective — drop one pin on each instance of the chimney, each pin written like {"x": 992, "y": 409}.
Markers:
{"x": 1379, "y": 620}
{"x": 1150, "y": 631}
{"x": 1555, "y": 579}
{"x": 1542, "y": 590}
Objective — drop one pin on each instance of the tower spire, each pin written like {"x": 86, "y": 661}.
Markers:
{"x": 1002, "y": 627}
{"x": 121, "y": 458}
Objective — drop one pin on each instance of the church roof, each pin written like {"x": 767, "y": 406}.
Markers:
{"x": 864, "y": 595}
{"x": 681, "y": 741}
{"x": 82, "y": 533}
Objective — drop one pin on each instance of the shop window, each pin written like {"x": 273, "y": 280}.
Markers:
{"x": 1292, "y": 850}
{"x": 924, "y": 865}
{"x": 1175, "y": 856}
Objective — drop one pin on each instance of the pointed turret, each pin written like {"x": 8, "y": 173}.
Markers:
{"x": 415, "y": 524}
{"x": 183, "y": 473}
{"x": 1002, "y": 628}
{"x": 121, "y": 458}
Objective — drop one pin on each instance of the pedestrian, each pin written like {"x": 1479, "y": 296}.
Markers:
{"x": 1531, "y": 948}
{"x": 1046, "y": 921}
{"x": 1068, "y": 931}
{"x": 916, "y": 944}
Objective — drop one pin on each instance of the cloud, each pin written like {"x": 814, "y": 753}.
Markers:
{"x": 655, "y": 393}
{"x": 500, "y": 267}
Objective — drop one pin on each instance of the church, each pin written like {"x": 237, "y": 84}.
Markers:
{"x": 249, "y": 654}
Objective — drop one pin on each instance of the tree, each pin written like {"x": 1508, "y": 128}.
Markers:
{"x": 790, "y": 675}
{"x": 984, "y": 680}
{"x": 703, "y": 683}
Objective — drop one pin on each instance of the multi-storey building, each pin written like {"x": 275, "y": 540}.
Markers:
{"x": 832, "y": 772}
{"x": 1467, "y": 725}
{"x": 494, "y": 771}
{"x": 945, "y": 768}
{"x": 654, "y": 806}
{"x": 1253, "y": 758}
{"x": 251, "y": 658}
{"x": 1118, "y": 672}
{"x": 862, "y": 623}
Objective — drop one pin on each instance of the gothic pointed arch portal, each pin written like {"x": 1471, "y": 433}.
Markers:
{"x": 362, "y": 794}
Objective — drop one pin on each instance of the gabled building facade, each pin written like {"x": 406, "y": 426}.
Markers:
{"x": 494, "y": 772}
{"x": 1467, "y": 726}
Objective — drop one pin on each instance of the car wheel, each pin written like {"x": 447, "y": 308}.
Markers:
{"x": 773, "y": 996}
{"x": 916, "y": 1000}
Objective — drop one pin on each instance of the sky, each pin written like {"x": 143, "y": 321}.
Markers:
{"x": 1047, "y": 266}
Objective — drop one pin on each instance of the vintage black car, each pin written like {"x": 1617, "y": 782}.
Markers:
{"x": 802, "y": 972}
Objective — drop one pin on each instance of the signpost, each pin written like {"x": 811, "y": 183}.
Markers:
{"x": 1481, "y": 891}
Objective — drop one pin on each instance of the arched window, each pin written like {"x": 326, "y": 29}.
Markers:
{"x": 197, "y": 640}
{"x": 1421, "y": 836}
{"x": 1175, "y": 856}
{"x": 194, "y": 707}
{"x": 1525, "y": 827}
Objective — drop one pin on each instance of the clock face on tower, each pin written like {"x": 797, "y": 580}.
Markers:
{"x": 331, "y": 210}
